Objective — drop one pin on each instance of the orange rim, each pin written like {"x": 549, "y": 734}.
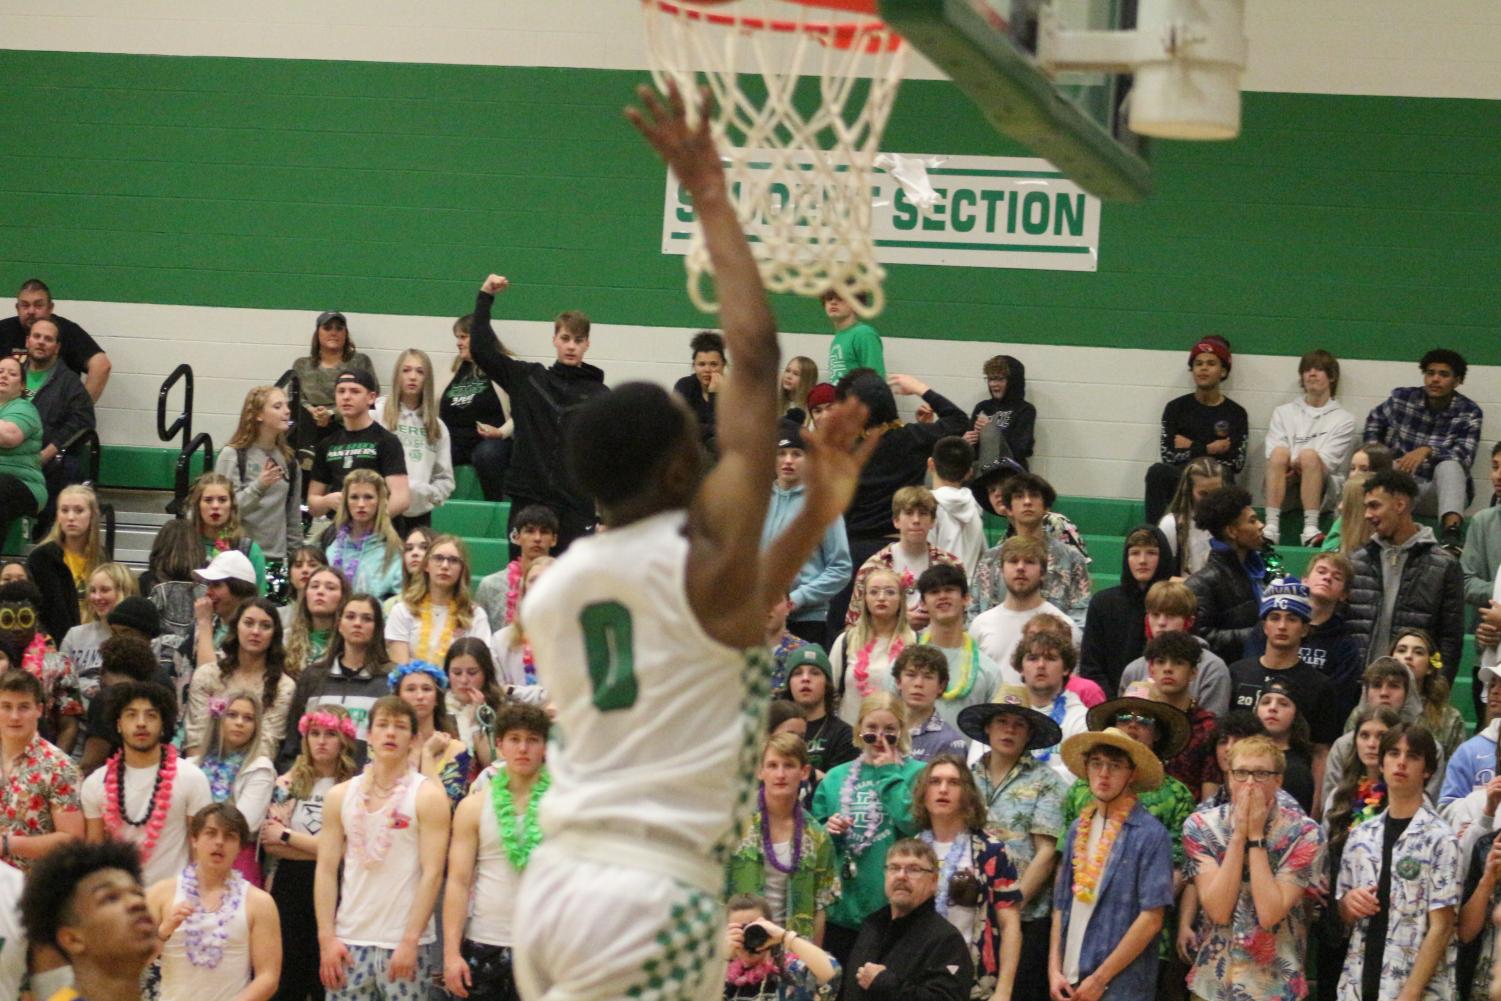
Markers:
{"x": 873, "y": 34}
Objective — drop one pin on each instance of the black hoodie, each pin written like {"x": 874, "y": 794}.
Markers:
{"x": 540, "y": 395}
{"x": 1016, "y": 417}
{"x": 1115, "y": 627}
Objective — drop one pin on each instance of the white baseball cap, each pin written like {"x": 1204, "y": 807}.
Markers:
{"x": 229, "y": 565}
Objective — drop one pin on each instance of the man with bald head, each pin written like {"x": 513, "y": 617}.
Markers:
{"x": 80, "y": 352}
{"x": 64, "y": 405}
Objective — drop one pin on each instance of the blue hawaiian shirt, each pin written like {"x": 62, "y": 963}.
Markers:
{"x": 1028, "y": 801}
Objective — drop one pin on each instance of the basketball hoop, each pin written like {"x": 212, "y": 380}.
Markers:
{"x": 798, "y": 159}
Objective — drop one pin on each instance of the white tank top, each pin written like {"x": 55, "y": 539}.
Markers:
{"x": 492, "y": 900}
{"x": 374, "y": 902}
{"x": 182, "y": 981}
{"x": 659, "y": 724}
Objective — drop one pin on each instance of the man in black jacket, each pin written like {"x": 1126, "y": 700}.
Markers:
{"x": 541, "y": 395}
{"x": 64, "y": 406}
{"x": 1403, "y": 578}
{"x": 1115, "y": 628}
{"x": 908, "y": 951}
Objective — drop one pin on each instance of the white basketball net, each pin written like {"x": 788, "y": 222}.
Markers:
{"x": 799, "y": 176}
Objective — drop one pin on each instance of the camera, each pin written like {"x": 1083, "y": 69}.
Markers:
{"x": 755, "y": 938}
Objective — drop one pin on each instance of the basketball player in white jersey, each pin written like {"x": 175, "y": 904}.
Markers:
{"x": 649, "y": 638}
{"x": 388, "y": 828}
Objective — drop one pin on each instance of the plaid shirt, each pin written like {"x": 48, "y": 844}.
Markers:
{"x": 1404, "y": 421}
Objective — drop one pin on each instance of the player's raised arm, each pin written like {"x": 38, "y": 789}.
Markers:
{"x": 726, "y": 515}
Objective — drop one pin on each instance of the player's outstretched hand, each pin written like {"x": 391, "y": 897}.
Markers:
{"x": 835, "y": 452}
{"x": 688, "y": 149}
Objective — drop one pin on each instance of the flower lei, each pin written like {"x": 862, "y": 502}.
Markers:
{"x": 222, "y": 543}
{"x": 874, "y": 814}
{"x": 965, "y": 684}
{"x": 1371, "y": 793}
{"x": 1089, "y": 868}
{"x": 445, "y": 638}
{"x": 740, "y": 975}
{"x": 328, "y": 721}
{"x": 34, "y": 658}
{"x": 345, "y": 553}
{"x": 115, "y": 815}
{"x": 393, "y": 680}
{"x": 528, "y": 665}
{"x": 513, "y": 590}
{"x": 1056, "y": 715}
{"x": 952, "y": 862}
{"x": 518, "y": 851}
{"x": 207, "y": 932}
{"x": 797, "y": 836}
{"x": 221, "y": 774}
{"x": 371, "y": 850}
{"x": 862, "y": 663}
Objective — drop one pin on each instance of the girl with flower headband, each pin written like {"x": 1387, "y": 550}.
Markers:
{"x": 289, "y": 837}
{"x": 436, "y": 607}
{"x": 215, "y": 516}
{"x": 436, "y": 750}
{"x": 866, "y": 804}
{"x": 352, "y": 674}
{"x": 1415, "y": 648}
{"x": 1359, "y": 796}
{"x": 237, "y": 771}
{"x": 863, "y": 654}
{"x": 474, "y": 698}
{"x": 365, "y": 547}
{"x": 252, "y": 659}
{"x": 311, "y": 624}
{"x": 516, "y": 673}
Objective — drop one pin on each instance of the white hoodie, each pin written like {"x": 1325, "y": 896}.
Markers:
{"x": 429, "y": 466}
{"x": 959, "y": 527}
{"x": 1328, "y": 430}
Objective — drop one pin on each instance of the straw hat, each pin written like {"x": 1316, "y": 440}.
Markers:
{"x": 1148, "y": 767}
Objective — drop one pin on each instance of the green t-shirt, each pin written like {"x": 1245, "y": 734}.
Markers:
{"x": 35, "y": 378}
{"x": 856, "y": 346}
{"x": 21, "y": 461}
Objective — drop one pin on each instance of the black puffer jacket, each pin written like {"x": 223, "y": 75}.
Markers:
{"x": 1430, "y": 596}
{"x": 1115, "y": 627}
{"x": 1228, "y": 607}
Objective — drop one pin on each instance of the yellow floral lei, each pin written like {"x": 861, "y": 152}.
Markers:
{"x": 1088, "y": 869}
{"x": 424, "y": 650}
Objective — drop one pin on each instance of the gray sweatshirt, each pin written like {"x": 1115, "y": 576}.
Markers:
{"x": 266, "y": 513}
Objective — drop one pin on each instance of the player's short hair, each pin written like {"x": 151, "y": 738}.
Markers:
{"x": 707, "y": 341}
{"x": 1174, "y": 646}
{"x": 617, "y": 442}
{"x": 1020, "y": 548}
{"x": 229, "y": 817}
{"x": 1219, "y": 509}
{"x": 572, "y": 320}
{"x": 50, "y": 894}
{"x": 1172, "y": 597}
{"x": 1393, "y": 481}
{"x": 914, "y": 499}
{"x": 1028, "y": 483}
{"x": 922, "y": 657}
{"x": 952, "y": 458}
{"x": 748, "y": 902}
{"x": 1445, "y": 356}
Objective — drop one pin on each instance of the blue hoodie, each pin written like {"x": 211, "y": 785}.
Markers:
{"x": 826, "y": 571}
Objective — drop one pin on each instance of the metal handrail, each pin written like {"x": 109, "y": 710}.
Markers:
{"x": 85, "y": 444}
{"x": 184, "y": 421}
{"x": 107, "y": 511}
{"x": 201, "y": 442}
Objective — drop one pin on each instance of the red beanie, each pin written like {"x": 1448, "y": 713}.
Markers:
{"x": 1213, "y": 344}
{"x": 820, "y": 395}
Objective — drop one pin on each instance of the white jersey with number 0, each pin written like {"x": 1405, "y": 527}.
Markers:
{"x": 659, "y": 724}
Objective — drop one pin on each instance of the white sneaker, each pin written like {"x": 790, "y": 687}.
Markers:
{"x": 1311, "y": 537}
{"x": 1270, "y": 534}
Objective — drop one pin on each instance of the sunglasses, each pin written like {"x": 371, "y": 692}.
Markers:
{"x": 1129, "y": 718}
{"x": 871, "y": 738}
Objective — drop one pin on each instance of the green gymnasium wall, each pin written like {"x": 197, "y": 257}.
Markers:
{"x": 1366, "y": 225}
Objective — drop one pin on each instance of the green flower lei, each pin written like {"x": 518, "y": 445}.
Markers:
{"x": 505, "y": 817}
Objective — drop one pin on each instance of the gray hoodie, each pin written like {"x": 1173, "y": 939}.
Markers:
{"x": 1210, "y": 686}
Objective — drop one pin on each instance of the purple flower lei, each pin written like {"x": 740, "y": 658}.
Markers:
{"x": 797, "y": 836}
{"x": 207, "y": 932}
{"x": 874, "y": 816}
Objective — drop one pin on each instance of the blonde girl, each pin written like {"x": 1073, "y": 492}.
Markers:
{"x": 237, "y": 769}
{"x": 266, "y": 478}
{"x": 798, "y": 380}
{"x": 109, "y": 584}
{"x": 864, "y": 653}
{"x": 365, "y": 547}
{"x": 514, "y": 670}
{"x": 1189, "y": 543}
{"x": 1415, "y": 648}
{"x": 436, "y": 608}
{"x": 1350, "y": 531}
{"x": 62, "y": 565}
{"x": 411, "y": 413}
{"x": 214, "y": 514}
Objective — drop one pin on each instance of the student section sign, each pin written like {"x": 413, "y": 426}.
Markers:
{"x": 990, "y": 212}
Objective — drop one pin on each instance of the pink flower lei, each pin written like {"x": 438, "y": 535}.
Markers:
{"x": 34, "y": 658}
{"x": 370, "y": 834}
{"x": 115, "y": 817}
{"x": 740, "y": 975}
{"x": 513, "y": 590}
{"x": 862, "y": 663}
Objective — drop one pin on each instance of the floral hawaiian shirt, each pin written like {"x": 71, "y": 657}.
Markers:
{"x": 1066, "y": 582}
{"x": 811, "y": 887}
{"x": 1424, "y": 878}
{"x": 42, "y": 779}
{"x": 1243, "y": 961}
{"x": 1028, "y": 801}
{"x": 1196, "y": 763}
